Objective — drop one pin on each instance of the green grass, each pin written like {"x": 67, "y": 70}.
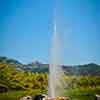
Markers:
{"x": 15, "y": 95}
{"x": 82, "y": 94}
{"x": 73, "y": 94}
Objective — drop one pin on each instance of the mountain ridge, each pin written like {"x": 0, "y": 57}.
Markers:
{"x": 86, "y": 69}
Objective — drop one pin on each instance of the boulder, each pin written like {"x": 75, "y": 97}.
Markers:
{"x": 97, "y": 97}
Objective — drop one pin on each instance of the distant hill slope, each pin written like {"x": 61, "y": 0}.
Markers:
{"x": 87, "y": 69}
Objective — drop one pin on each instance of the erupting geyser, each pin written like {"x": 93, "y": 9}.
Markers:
{"x": 55, "y": 87}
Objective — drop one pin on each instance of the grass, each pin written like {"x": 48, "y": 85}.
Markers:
{"x": 15, "y": 95}
{"x": 73, "y": 94}
{"x": 82, "y": 93}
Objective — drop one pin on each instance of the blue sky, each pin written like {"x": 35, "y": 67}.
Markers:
{"x": 26, "y": 30}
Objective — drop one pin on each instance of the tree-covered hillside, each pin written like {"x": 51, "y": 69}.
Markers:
{"x": 17, "y": 77}
{"x": 87, "y": 69}
{"x": 13, "y": 79}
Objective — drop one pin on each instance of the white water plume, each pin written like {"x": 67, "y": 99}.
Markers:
{"x": 55, "y": 82}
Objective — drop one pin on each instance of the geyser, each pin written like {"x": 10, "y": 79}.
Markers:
{"x": 55, "y": 81}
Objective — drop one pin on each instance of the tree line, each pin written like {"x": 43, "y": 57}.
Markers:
{"x": 16, "y": 79}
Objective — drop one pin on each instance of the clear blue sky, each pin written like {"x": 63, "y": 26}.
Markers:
{"x": 26, "y": 30}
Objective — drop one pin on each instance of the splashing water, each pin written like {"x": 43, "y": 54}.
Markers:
{"x": 55, "y": 72}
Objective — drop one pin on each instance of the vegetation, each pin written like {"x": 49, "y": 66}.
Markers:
{"x": 12, "y": 79}
{"x": 83, "y": 87}
{"x": 16, "y": 82}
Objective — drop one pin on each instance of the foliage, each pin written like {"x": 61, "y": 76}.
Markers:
{"x": 16, "y": 82}
{"x": 13, "y": 79}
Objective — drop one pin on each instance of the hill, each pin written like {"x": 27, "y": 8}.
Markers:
{"x": 86, "y": 69}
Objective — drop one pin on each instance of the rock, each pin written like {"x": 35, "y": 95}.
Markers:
{"x": 43, "y": 97}
{"x": 26, "y": 98}
{"x": 97, "y": 97}
{"x": 59, "y": 98}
